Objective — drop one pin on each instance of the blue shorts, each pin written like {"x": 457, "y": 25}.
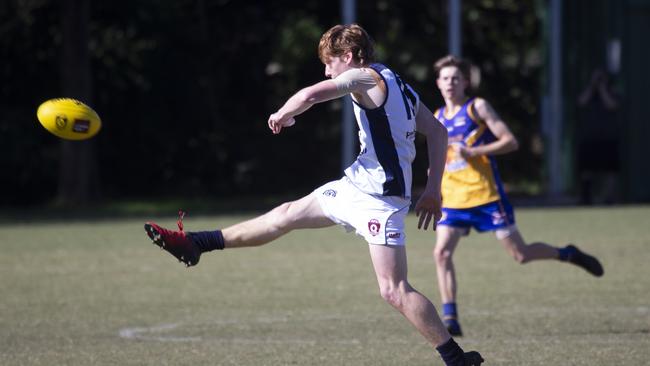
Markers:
{"x": 489, "y": 217}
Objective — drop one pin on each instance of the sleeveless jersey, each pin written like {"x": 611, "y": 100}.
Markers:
{"x": 475, "y": 181}
{"x": 387, "y": 137}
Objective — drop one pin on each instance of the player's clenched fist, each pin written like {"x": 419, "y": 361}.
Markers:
{"x": 277, "y": 122}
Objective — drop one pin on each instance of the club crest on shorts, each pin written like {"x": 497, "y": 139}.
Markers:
{"x": 374, "y": 226}
{"x": 498, "y": 218}
{"x": 329, "y": 193}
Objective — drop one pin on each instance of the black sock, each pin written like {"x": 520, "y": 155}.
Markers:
{"x": 207, "y": 240}
{"x": 565, "y": 253}
{"x": 451, "y": 353}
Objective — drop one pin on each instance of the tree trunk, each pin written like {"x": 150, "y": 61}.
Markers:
{"x": 78, "y": 176}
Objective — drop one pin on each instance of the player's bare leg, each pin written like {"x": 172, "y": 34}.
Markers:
{"x": 389, "y": 263}
{"x": 301, "y": 214}
{"x": 187, "y": 247}
{"x": 524, "y": 253}
{"x": 390, "y": 267}
{"x": 447, "y": 238}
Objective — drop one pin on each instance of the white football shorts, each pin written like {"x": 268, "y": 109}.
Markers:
{"x": 380, "y": 220}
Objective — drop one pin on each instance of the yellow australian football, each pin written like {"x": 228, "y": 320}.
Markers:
{"x": 69, "y": 119}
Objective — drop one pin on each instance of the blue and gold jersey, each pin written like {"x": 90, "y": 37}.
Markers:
{"x": 468, "y": 182}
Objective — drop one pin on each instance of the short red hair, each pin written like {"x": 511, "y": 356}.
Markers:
{"x": 341, "y": 39}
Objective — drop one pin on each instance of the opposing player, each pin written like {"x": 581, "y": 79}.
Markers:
{"x": 473, "y": 195}
{"x": 374, "y": 195}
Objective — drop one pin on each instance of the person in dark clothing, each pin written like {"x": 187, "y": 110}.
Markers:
{"x": 598, "y": 157}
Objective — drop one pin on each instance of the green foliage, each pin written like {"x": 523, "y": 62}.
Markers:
{"x": 29, "y": 36}
{"x": 184, "y": 88}
{"x": 503, "y": 38}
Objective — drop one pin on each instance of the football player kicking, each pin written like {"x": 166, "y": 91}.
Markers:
{"x": 372, "y": 198}
{"x": 472, "y": 192}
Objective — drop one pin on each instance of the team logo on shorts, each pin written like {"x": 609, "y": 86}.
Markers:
{"x": 329, "y": 193}
{"x": 374, "y": 226}
{"x": 443, "y": 217}
{"x": 498, "y": 218}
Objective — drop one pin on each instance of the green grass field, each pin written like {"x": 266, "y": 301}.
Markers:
{"x": 97, "y": 292}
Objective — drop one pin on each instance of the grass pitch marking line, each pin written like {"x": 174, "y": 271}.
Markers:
{"x": 164, "y": 333}
{"x": 147, "y": 333}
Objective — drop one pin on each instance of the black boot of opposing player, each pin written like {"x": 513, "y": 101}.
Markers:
{"x": 589, "y": 263}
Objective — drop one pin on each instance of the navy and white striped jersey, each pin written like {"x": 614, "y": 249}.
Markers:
{"x": 387, "y": 137}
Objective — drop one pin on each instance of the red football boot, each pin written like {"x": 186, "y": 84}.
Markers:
{"x": 177, "y": 243}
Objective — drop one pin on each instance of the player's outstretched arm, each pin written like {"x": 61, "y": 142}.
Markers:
{"x": 302, "y": 101}
{"x": 429, "y": 205}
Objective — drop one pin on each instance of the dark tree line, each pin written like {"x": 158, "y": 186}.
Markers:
{"x": 184, "y": 89}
